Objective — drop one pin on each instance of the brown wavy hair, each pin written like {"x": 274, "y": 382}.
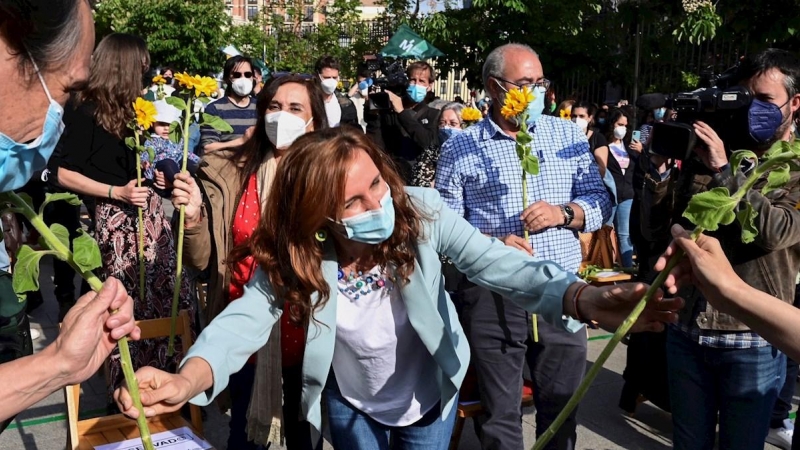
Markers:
{"x": 115, "y": 81}
{"x": 309, "y": 188}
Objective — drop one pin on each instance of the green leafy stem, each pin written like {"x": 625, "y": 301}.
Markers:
{"x": 528, "y": 161}
{"x": 176, "y": 131}
{"x": 707, "y": 210}
{"x": 85, "y": 258}
{"x": 135, "y": 144}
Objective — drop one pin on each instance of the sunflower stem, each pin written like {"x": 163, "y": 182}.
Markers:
{"x": 623, "y": 329}
{"x": 142, "y": 296}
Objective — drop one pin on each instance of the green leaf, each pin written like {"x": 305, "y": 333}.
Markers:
{"x": 711, "y": 209}
{"x": 62, "y": 234}
{"x": 151, "y": 154}
{"x": 776, "y": 179}
{"x": 175, "y": 133}
{"x": 26, "y": 272}
{"x": 523, "y": 138}
{"x": 26, "y": 198}
{"x": 746, "y": 217}
{"x": 530, "y": 164}
{"x": 204, "y": 100}
{"x": 176, "y": 102}
{"x": 130, "y": 142}
{"x": 738, "y": 156}
{"x": 86, "y": 252}
{"x": 68, "y": 197}
{"x": 216, "y": 123}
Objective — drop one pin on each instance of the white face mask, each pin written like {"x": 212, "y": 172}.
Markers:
{"x": 582, "y": 123}
{"x": 620, "y": 132}
{"x": 283, "y": 128}
{"x": 242, "y": 86}
{"x": 329, "y": 85}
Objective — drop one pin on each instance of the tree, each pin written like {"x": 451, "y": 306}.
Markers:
{"x": 187, "y": 34}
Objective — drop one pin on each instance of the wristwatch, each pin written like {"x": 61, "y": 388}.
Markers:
{"x": 569, "y": 215}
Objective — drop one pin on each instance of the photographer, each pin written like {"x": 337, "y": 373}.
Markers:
{"x": 717, "y": 364}
{"x": 339, "y": 108}
{"x": 407, "y": 126}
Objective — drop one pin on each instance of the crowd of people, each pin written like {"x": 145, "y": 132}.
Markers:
{"x": 362, "y": 247}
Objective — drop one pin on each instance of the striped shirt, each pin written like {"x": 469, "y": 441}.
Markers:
{"x": 237, "y": 117}
{"x": 479, "y": 176}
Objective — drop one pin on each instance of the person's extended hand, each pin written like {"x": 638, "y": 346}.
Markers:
{"x": 542, "y": 215}
{"x": 713, "y": 154}
{"x": 185, "y": 191}
{"x": 609, "y": 306}
{"x": 136, "y": 196}
{"x": 635, "y": 146}
{"x": 248, "y": 134}
{"x": 396, "y": 101}
{"x": 160, "y": 180}
{"x": 512, "y": 240}
{"x": 161, "y": 392}
{"x": 89, "y": 331}
{"x": 705, "y": 266}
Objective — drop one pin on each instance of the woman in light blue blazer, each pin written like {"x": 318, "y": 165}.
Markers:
{"x": 355, "y": 255}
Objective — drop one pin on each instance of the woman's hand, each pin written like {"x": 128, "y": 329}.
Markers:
{"x": 635, "y": 146}
{"x": 130, "y": 193}
{"x": 704, "y": 266}
{"x": 609, "y": 306}
{"x": 186, "y": 192}
{"x": 160, "y": 180}
{"x": 161, "y": 392}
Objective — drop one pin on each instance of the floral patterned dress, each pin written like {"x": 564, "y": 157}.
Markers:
{"x": 116, "y": 230}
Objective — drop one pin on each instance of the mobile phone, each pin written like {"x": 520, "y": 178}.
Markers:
{"x": 637, "y": 136}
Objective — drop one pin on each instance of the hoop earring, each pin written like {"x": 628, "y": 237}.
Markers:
{"x": 321, "y": 236}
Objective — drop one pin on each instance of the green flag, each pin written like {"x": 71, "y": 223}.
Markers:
{"x": 407, "y": 44}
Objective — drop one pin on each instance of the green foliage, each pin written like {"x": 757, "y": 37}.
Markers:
{"x": 86, "y": 252}
{"x": 530, "y": 164}
{"x": 61, "y": 233}
{"x": 175, "y": 132}
{"x": 26, "y": 271}
{"x": 70, "y": 198}
{"x": 746, "y": 217}
{"x": 708, "y": 210}
{"x": 216, "y": 123}
{"x": 187, "y": 34}
{"x": 699, "y": 25}
{"x": 776, "y": 179}
{"x": 177, "y": 102}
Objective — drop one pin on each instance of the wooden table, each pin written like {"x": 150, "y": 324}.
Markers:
{"x": 602, "y": 281}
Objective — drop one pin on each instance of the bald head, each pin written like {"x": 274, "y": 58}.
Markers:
{"x": 499, "y": 59}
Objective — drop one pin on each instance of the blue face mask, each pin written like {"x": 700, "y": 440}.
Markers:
{"x": 373, "y": 226}
{"x": 764, "y": 119}
{"x": 447, "y": 132}
{"x": 601, "y": 120}
{"x": 416, "y": 92}
{"x": 18, "y": 162}
{"x": 536, "y": 107}
{"x": 658, "y": 114}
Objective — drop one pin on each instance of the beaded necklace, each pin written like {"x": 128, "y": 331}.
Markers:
{"x": 354, "y": 285}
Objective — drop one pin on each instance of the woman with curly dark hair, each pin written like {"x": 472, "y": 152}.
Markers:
{"x": 94, "y": 161}
{"x": 353, "y": 256}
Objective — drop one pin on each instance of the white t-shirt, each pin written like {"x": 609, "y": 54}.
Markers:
{"x": 381, "y": 365}
{"x": 334, "y": 111}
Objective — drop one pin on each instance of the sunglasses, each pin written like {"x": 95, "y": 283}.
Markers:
{"x": 235, "y": 75}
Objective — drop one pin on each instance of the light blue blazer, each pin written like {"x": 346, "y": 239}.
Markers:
{"x": 538, "y": 286}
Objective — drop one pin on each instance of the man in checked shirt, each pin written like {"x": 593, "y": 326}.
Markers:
{"x": 479, "y": 176}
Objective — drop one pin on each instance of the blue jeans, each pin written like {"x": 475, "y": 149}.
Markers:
{"x": 738, "y": 384}
{"x": 352, "y": 429}
{"x": 622, "y": 223}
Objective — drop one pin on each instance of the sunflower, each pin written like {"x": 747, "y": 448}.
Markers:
{"x": 470, "y": 114}
{"x": 516, "y": 102}
{"x": 185, "y": 80}
{"x": 204, "y": 86}
{"x": 565, "y": 114}
{"x": 158, "y": 79}
{"x": 145, "y": 113}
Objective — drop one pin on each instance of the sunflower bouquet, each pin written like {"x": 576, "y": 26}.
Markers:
{"x": 193, "y": 88}
{"x": 515, "y": 109}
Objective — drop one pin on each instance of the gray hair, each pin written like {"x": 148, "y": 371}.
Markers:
{"x": 495, "y": 62}
{"x": 48, "y": 30}
{"x": 455, "y": 107}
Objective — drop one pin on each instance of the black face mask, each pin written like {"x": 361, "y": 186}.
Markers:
{"x": 168, "y": 80}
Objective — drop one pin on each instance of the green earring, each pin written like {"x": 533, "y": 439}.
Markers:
{"x": 321, "y": 235}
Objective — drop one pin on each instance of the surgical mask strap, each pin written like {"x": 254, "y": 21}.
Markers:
{"x": 41, "y": 79}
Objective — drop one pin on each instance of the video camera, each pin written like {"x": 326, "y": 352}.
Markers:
{"x": 393, "y": 78}
{"x": 718, "y": 102}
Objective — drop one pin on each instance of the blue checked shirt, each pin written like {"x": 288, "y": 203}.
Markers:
{"x": 479, "y": 176}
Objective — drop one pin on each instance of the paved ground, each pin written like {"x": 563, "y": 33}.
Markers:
{"x": 602, "y": 424}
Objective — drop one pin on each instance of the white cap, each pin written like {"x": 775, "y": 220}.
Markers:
{"x": 166, "y": 113}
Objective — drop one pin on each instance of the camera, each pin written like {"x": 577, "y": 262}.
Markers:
{"x": 393, "y": 78}
{"x": 717, "y": 101}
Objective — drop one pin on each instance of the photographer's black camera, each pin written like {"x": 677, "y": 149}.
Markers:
{"x": 393, "y": 78}
{"x": 718, "y": 102}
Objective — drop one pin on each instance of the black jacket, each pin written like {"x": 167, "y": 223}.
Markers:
{"x": 403, "y": 135}
{"x": 349, "y": 113}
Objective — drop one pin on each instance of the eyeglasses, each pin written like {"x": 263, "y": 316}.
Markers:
{"x": 241, "y": 74}
{"x": 544, "y": 83}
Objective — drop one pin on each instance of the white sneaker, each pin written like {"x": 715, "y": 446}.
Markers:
{"x": 36, "y": 334}
{"x": 781, "y": 437}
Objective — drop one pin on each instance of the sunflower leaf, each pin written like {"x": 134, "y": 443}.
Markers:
{"x": 776, "y": 179}
{"x": 216, "y": 123}
{"x": 530, "y": 164}
{"x": 86, "y": 252}
{"x": 746, "y": 217}
{"x": 711, "y": 209}
{"x": 176, "y": 102}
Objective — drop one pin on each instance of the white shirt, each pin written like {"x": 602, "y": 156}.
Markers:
{"x": 334, "y": 111}
{"x": 381, "y": 365}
